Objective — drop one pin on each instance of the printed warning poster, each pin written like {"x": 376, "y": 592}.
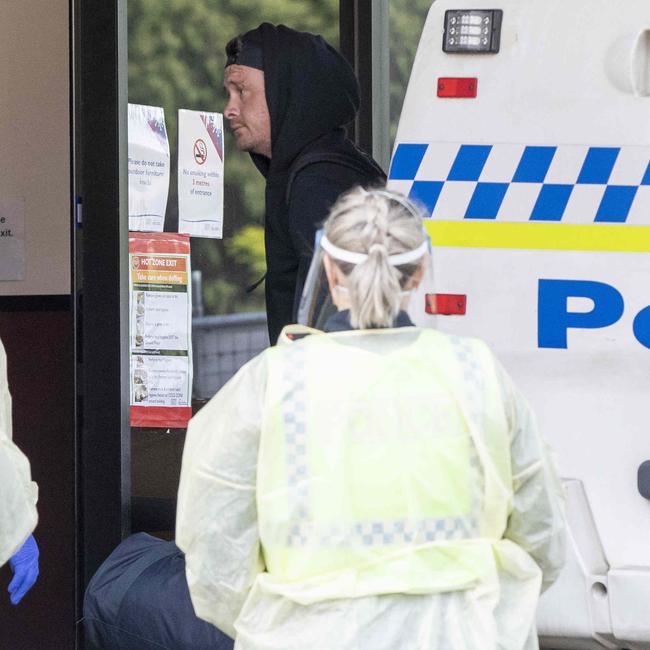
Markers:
{"x": 12, "y": 239}
{"x": 160, "y": 329}
{"x": 148, "y": 168}
{"x": 200, "y": 173}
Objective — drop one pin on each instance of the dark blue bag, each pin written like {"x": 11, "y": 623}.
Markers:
{"x": 139, "y": 600}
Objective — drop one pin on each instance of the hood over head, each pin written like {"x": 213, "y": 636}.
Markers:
{"x": 310, "y": 90}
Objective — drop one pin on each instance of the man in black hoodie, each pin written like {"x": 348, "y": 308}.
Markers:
{"x": 290, "y": 97}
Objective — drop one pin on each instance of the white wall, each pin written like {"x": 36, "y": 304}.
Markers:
{"x": 35, "y": 137}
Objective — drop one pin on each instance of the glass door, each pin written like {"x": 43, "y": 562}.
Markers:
{"x": 176, "y": 63}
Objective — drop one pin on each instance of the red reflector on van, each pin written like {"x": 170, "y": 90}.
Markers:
{"x": 445, "y": 304}
{"x": 457, "y": 86}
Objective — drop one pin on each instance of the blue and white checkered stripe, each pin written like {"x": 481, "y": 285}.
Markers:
{"x": 304, "y": 531}
{"x": 512, "y": 182}
{"x": 294, "y": 418}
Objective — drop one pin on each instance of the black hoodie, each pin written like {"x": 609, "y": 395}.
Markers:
{"x": 312, "y": 93}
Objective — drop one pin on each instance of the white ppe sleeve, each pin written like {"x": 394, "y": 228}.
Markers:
{"x": 18, "y": 494}
{"x": 537, "y": 522}
{"x": 216, "y": 521}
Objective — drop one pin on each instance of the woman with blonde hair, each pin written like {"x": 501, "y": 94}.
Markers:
{"x": 372, "y": 486}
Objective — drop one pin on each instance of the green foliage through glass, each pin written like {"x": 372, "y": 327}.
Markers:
{"x": 176, "y": 59}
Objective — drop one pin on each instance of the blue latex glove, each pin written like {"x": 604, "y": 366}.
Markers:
{"x": 24, "y": 564}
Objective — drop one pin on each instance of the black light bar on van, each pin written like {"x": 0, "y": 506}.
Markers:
{"x": 472, "y": 31}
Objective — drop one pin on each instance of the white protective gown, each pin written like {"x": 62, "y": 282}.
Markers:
{"x": 18, "y": 494}
{"x": 217, "y": 528}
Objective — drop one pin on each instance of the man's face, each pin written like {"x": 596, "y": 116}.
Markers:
{"x": 246, "y": 109}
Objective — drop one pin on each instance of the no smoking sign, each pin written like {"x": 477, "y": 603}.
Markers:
{"x": 200, "y": 152}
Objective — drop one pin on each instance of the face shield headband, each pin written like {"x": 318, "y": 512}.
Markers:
{"x": 357, "y": 258}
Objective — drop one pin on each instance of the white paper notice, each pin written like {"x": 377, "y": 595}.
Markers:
{"x": 163, "y": 324}
{"x": 148, "y": 168}
{"x": 200, "y": 173}
{"x": 160, "y": 381}
{"x": 12, "y": 239}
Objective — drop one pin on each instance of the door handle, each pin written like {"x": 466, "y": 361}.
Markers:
{"x": 643, "y": 479}
{"x": 627, "y": 63}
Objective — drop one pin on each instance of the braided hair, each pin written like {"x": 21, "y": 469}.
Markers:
{"x": 377, "y": 223}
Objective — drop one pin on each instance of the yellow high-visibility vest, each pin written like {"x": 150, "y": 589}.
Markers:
{"x": 382, "y": 468}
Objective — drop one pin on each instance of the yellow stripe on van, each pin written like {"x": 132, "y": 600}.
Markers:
{"x": 539, "y": 236}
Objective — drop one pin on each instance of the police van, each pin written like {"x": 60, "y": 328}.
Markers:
{"x": 525, "y": 133}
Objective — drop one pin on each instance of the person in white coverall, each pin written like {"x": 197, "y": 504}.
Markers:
{"x": 18, "y": 495}
{"x": 375, "y": 486}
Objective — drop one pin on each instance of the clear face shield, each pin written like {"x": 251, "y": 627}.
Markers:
{"x": 316, "y": 304}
